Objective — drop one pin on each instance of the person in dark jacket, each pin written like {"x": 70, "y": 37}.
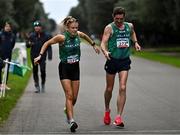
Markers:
{"x": 35, "y": 40}
{"x": 7, "y": 42}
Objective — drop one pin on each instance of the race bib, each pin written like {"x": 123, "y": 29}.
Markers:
{"x": 72, "y": 59}
{"x": 122, "y": 42}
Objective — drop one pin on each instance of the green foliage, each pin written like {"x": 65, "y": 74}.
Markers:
{"x": 52, "y": 25}
{"x": 99, "y": 15}
{"x": 6, "y": 12}
{"x": 156, "y": 21}
{"x": 80, "y": 13}
{"x": 131, "y": 7}
{"x": 22, "y": 10}
{"x": 94, "y": 15}
{"x": 22, "y": 13}
{"x": 154, "y": 18}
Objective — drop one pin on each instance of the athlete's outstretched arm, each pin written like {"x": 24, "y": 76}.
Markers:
{"x": 57, "y": 39}
{"x": 86, "y": 37}
{"x": 90, "y": 41}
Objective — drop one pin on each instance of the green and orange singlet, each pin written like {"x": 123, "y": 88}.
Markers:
{"x": 120, "y": 41}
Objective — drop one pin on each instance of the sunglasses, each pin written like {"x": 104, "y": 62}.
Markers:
{"x": 36, "y": 24}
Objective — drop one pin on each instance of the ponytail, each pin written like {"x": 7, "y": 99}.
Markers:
{"x": 62, "y": 25}
{"x": 65, "y": 22}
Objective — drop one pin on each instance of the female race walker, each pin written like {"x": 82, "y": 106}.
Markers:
{"x": 69, "y": 72}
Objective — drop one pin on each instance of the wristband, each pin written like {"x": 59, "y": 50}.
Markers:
{"x": 41, "y": 54}
{"x": 135, "y": 42}
{"x": 93, "y": 44}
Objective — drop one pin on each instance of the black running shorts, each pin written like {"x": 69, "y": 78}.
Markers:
{"x": 114, "y": 66}
{"x": 69, "y": 71}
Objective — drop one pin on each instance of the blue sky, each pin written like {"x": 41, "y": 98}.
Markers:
{"x": 58, "y": 9}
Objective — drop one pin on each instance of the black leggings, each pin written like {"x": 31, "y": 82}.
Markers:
{"x": 42, "y": 65}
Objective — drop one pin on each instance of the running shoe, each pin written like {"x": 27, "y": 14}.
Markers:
{"x": 73, "y": 126}
{"x": 118, "y": 121}
{"x": 107, "y": 118}
{"x": 37, "y": 89}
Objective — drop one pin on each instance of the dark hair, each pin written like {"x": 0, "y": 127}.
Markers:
{"x": 9, "y": 23}
{"x": 118, "y": 10}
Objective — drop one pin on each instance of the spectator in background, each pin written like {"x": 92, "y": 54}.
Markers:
{"x": 7, "y": 42}
{"x": 35, "y": 40}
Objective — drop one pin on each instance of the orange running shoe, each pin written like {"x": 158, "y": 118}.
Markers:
{"x": 118, "y": 121}
{"x": 107, "y": 118}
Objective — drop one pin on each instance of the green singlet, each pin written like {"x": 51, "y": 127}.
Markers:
{"x": 119, "y": 43}
{"x": 69, "y": 51}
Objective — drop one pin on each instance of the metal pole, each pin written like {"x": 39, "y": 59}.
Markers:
{"x": 3, "y": 85}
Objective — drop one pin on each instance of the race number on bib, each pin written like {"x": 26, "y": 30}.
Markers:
{"x": 122, "y": 42}
{"x": 72, "y": 59}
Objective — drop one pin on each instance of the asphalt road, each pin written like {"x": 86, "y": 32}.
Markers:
{"x": 152, "y": 105}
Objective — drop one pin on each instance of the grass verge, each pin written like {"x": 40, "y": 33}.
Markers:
{"x": 17, "y": 85}
{"x": 158, "y": 55}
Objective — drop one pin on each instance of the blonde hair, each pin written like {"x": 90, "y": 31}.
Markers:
{"x": 65, "y": 23}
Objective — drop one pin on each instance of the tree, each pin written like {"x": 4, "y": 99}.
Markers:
{"x": 52, "y": 25}
{"x": 24, "y": 13}
{"x": 154, "y": 18}
{"x": 80, "y": 13}
{"x": 7, "y": 12}
{"x": 94, "y": 15}
{"x": 99, "y": 15}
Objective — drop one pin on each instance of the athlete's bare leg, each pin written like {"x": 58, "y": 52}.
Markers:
{"x": 75, "y": 87}
{"x": 109, "y": 88}
{"x": 67, "y": 86}
{"x": 121, "y": 99}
